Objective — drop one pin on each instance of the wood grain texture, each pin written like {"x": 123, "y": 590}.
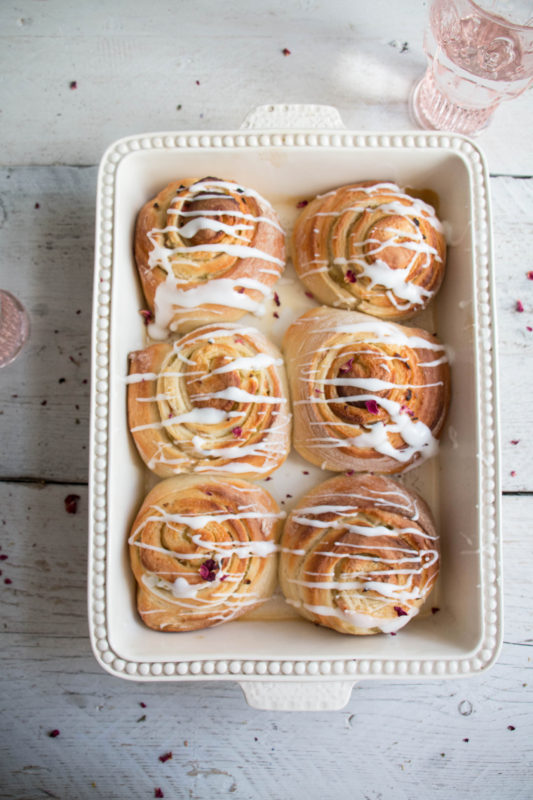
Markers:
{"x": 44, "y": 394}
{"x": 51, "y": 271}
{"x": 49, "y": 679}
{"x": 134, "y": 68}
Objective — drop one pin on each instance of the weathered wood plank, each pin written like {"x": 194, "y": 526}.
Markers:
{"x": 220, "y": 746}
{"x": 46, "y": 561}
{"x": 48, "y": 264}
{"x": 132, "y": 73}
{"x": 512, "y": 201}
{"x": 49, "y": 679}
{"x": 51, "y": 256}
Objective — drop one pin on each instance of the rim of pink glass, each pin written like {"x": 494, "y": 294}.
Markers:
{"x": 24, "y": 332}
{"x": 516, "y": 26}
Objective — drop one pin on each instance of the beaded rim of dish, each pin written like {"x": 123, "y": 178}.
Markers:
{"x": 297, "y": 669}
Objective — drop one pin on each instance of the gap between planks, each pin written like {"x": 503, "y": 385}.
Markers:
{"x": 93, "y": 166}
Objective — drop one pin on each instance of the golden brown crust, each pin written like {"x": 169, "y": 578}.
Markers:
{"x": 242, "y": 239}
{"x": 195, "y": 411}
{"x": 370, "y": 246}
{"x": 203, "y": 551}
{"x": 339, "y": 573}
{"x": 367, "y": 395}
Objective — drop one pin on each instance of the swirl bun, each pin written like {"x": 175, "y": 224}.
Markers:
{"x": 213, "y": 401}
{"x": 203, "y": 551}
{"x": 371, "y": 247}
{"x": 207, "y": 251}
{"x": 367, "y": 395}
{"x": 359, "y": 555}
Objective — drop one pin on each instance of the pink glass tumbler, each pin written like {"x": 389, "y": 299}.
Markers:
{"x": 479, "y": 54}
{"x": 14, "y": 327}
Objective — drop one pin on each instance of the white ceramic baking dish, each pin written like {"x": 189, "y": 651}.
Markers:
{"x": 282, "y": 661}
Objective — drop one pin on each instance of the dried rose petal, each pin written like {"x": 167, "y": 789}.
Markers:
{"x": 400, "y": 612}
{"x": 3, "y": 557}
{"x": 286, "y": 51}
{"x": 54, "y": 733}
{"x": 165, "y": 757}
{"x": 239, "y": 340}
{"x": 73, "y": 85}
{"x": 349, "y": 472}
{"x": 515, "y": 441}
{"x": 208, "y": 570}
{"x": 309, "y": 295}
{"x": 276, "y": 299}
{"x": 511, "y": 728}
{"x": 513, "y": 473}
{"x": 8, "y": 580}
{"x": 275, "y": 314}
{"x": 302, "y": 204}
{"x": 530, "y": 275}
{"x": 529, "y": 328}
{"x": 466, "y": 740}
{"x": 158, "y": 792}
{"x": 350, "y": 277}
{"x": 519, "y": 306}
{"x": 305, "y": 472}
{"x": 435, "y": 610}
{"x": 405, "y": 410}
{"x": 371, "y": 406}
{"x": 142, "y": 705}
{"x": 347, "y": 366}
{"x": 147, "y": 315}
{"x": 71, "y": 503}
{"x": 236, "y": 432}
{"x": 37, "y": 205}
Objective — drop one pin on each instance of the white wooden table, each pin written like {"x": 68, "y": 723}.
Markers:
{"x": 203, "y": 64}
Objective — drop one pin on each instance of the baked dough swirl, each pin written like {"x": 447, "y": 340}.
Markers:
{"x": 370, "y": 246}
{"x": 212, "y": 401}
{"x": 203, "y": 551}
{"x": 207, "y": 250}
{"x": 368, "y": 395}
{"x": 359, "y": 554}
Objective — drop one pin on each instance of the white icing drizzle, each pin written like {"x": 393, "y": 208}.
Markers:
{"x": 197, "y": 522}
{"x": 218, "y": 291}
{"x": 188, "y": 293}
{"x": 238, "y": 395}
{"x": 418, "y": 439}
{"x": 227, "y": 595}
{"x": 358, "y": 618}
{"x": 245, "y": 363}
{"x": 203, "y": 416}
{"x": 222, "y": 213}
{"x": 359, "y": 583}
{"x": 395, "y": 281}
{"x": 225, "y": 449}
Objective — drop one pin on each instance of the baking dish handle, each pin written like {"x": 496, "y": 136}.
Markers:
{"x": 295, "y": 115}
{"x": 297, "y": 696}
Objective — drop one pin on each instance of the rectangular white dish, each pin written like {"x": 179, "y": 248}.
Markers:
{"x": 275, "y": 650}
